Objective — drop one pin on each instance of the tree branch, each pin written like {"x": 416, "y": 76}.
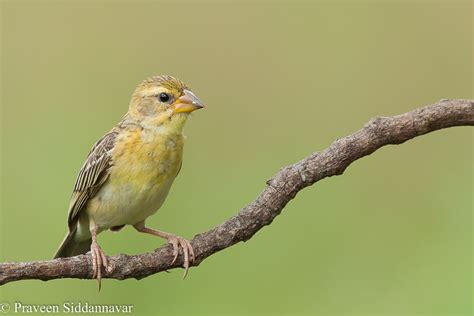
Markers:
{"x": 280, "y": 189}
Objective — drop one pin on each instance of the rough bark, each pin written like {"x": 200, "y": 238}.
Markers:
{"x": 280, "y": 189}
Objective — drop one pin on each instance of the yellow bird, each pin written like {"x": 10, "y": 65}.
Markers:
{"x": 129, "y": 171}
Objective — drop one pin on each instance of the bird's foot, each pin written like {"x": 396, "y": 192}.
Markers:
{"x": 99, "y": 259}
{"x": 188, "y": 251}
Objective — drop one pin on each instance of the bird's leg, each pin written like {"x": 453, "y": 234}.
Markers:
{"x": 176, "y": 241}
{"x": 99, "y": 258}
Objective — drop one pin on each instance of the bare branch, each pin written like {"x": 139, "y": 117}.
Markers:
{"x": 279, "y": 191}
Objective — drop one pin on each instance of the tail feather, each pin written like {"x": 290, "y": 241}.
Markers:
{"x": 70, "y": 247}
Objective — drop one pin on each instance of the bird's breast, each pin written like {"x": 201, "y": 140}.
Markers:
{"x": 144, "y": 167}
{"x": 147, "y": 158}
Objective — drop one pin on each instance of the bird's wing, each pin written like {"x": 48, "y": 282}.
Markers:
{"x": 93, "y": 174}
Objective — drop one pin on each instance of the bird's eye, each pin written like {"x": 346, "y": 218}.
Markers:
{"x": 164, "y": 97}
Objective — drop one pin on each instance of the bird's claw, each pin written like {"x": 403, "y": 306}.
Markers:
{"x": 188, "y": 251}
{"x": 99, "y": 260}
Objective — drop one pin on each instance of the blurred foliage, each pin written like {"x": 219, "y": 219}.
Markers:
{"x": 392, "y": 236}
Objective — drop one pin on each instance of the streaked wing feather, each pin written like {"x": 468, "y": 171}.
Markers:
{"x": 92, "y": 175}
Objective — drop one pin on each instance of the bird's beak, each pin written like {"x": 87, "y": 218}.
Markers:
{"x": 188, "y": 102}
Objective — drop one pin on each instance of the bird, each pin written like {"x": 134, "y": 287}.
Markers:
{"x": 129, "y": 172}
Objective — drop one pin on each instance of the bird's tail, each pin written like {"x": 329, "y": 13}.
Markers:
{"x": 71, "y": 247}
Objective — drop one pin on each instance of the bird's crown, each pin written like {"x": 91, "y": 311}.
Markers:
{"x": 166, "y": 81}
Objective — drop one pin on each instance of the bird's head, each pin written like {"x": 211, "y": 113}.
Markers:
{"x": 163, "y": 100}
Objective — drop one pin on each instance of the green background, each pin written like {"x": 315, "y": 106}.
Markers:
{"x": 392, "y": 236}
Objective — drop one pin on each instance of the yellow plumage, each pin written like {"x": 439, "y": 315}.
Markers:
{"x": 145, "y": 165}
